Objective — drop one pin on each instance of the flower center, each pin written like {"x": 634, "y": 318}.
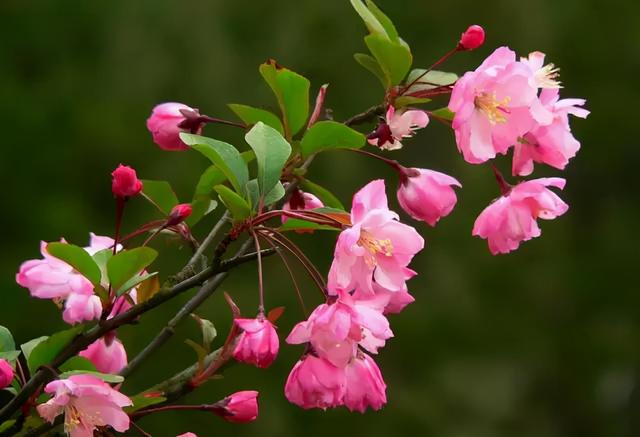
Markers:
{"x": 547, "y": 76}
{"x": 493, "y": 108}
{"x": 374, "y": 247}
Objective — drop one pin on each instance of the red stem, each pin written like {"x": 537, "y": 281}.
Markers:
{"x": 435, "y": 64}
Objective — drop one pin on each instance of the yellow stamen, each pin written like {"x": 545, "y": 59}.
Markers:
{"x": 547, "y": 77}
{"x": 493, "y": 108}
{"x": 374, "y": 246}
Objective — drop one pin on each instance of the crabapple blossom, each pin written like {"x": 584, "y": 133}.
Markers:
{"x": 165, "y": 125}
{"x": 472, "y": 38}
{"x": 397, "y": 125}
{"x": 315, "y": 383}
{"x": 258, "y": 343}
{"x": 108, "y": 356}
{"x": 376, "y": 248}
{"x": 301, "y": 200}
{"x": 427, "y": 195}
{"x": 87, "y": 403}
{"x": 188, "y": 434}
{"x": 80, "y": 307}
{"x": 364, "y": 386}
{"x": 239, "y": 407}
{"x": 512, "y": 218}
{"x": 125, "y": 182}
{"x": 6, "y": 373}
{"x": 544, "y": 76}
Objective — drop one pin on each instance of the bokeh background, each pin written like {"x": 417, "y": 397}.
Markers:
{"x": 542, "y": 342}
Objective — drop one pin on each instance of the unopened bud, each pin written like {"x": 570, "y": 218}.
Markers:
{"x": 179, "y": 213}
{"x": 472, "y": 38}
{"x": 125, "y": 182}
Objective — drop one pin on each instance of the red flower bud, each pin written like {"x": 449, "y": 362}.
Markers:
{"x": 6, "y": 373}
{"x": 472, "y": 38}
{"x": 239, "y": 407}
{"x": 179, "y": 213}
{"x": 125, "y": 182}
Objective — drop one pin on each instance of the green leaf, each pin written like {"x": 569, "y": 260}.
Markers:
{"x": 272, "y": 152}
{"x": 238, "y": 207}
{"x": 385, "y": 21}
{"x": 78, "y": 258}
{"x": 326, "y": 196}
{"x": 208, "y": 330}
{"x": 101, "y": 258}
{"x": 106, "y": 377}
{"x": 444, "y": 113}
{"x": 9, "y": 355}
{"x": 78, "y": 364}
{"x": 160, "y": 194}
{"x": 291, "y": 91}
{"x": 223, "y": 155}
{"x": 128, "y": 263}
{"x": 370, "y": 63}
{"x": 433, "y": 79}
{"x": 6, "y": 340}
{"x": 404, "y": 101}
{"x": 370, "y": 20}
{"x": 251, "y": 115}
{"x": 275, "y": 194}
{"x": 330, "y": 135}
{"x": 28, "y": 347}
{"x": 144, "y": 400}
{"x": 394, "y": 57}
{"x": 201, "y": 352}
{"x": 302, "y": 225}
{"x": 133, "y": 282}
{"x": 45, "y": 351}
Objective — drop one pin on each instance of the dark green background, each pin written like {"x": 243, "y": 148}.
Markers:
{"x": 542, "y": 342}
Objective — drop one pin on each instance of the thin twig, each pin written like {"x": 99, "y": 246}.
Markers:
{"x": 369, "y": 115}
{"x": 209, "y": 239}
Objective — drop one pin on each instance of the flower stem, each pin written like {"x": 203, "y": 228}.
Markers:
{"x": 434, "y": 65}
{"x": 260, "y": 281}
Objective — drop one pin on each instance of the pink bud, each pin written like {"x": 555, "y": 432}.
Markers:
{"x": 258, "y": 343}
{"x": 179, "y": 213}
{"x": 472, "y": 38}
{"x": 240, "y": 407}
{"x": 188, "y": 434}
{"x": 166, "y": 122}
{"x": 108, "y": 358}
{"x": 427, "y": 195}
{"x": 6, "y": 373}
{"x": 125, "y": 182}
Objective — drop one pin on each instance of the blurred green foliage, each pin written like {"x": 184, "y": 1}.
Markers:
{"x": 542, "y": 342}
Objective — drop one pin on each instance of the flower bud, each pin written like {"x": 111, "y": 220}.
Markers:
{"x": 472, "y": 38}
{"x": 258, "y": 343}
{"x": 108, "y": 358}
{"x": 179, "y": 213}
{"x": 427, "y": 195}
{"x": 166, "y": 122}
{"x": 300, "y": 201}
{"x": 188, "y": 434}
{"x": 239, "y": 407}
{"x": 125, "y": 182}
{"x": 6, "y": 373}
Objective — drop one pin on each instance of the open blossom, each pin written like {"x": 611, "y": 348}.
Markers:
{"x": 385, "y": 301}
{"x": 427, "y": 195}
{"x": 167, "y": 121}
{"x": 258, "y": 343}
{"x": 125, "y": 182}
{"x": 315, "y": 383}
{"x": 512, "y": 218}
{"x": 240, "y": 407}
{"x": 544, "y": 76}
{"x": 377, "y": 248}
{"x": 301, "y": 200}
{"x": 397, "y": 125}
{"x": 108, "y": 357}
{"x": 364, "y": 386}
{"x": 80, "y": 307}
{"x": 552, "y": 144}
{"x": 494, "y": 105}
{"x": 6, "y": 373}
{"x": 87, "y": 403}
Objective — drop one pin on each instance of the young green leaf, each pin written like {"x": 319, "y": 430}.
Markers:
{"x": 106, "y": 377}
{"x": 272, "y": 152}
{"x": 160, "y": 194}
{"x": 28, "y": 347}
{"x": 370, "y": 20}
{"x": 330, "y": 135}
{"x": 444, "y": 113}
{"x": 370, "y": 63}
{"x": 385, "y": 21}
{"x": 78, "y": 363}
{"x": 133, "y": 282}
{"x": 293, "y": 224}
{"x": 9, "y": 355}
{"x": 45, "y": 351}
{"x": 394, "y": 57}
{"x": 291, "y": 91}
{"x": 144, "y": 400}
{"x": 6, "y": 340}
{"x": 78, "y": 258}
{"x": 208, "y": 330}
{"x": 127, "y": 264}
{"x": 326, "y": 196}
{"x": 223, "y": 155}
{"x": 251, "y": 116}
{"x": 430, "y": 80}
{"x": 101, "y": 258}
{"x": 238, "y": 207}
{"x": 275, "y": 194}
{"x": 404, "y": 101}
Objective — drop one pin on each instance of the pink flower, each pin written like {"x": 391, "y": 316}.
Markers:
{"x": 99, "y": 242}
{"x": 80, "y": 307}
{"x": 125, "y": 182}
{"x": 472, "y": 38}
{"x": 315, "y": 383}
{"x": 258, "y": 343}
{"x": 544, "y": 76}
{"x": 108, "y": 358}
{"x": 6, "y": 373}
{"x": 385, "y": 301}
{"x": 552, "y": 144}
{"x": 300, "y": 201}
{"x": 188, "y": 434}
{"x": 427, "y": 195}
{"x": 87, "y": 403}
{"x": 396, "y": 127}
{"x": 240, "y": 407}
{"x": 179, "y": 213}
{"x": 166, "y": 122}
{"x": 364, "y": 385}
{"x": 494, "y": 105}
{"x": 513, "y": 217}
{"x": 377, "y": 248}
